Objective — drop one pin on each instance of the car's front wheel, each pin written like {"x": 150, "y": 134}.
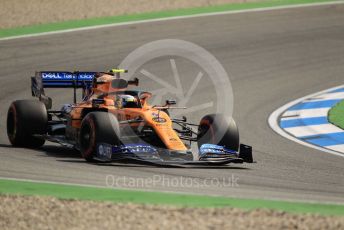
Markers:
{"x": 219, "y": 130}
{"x": 97, "y": 127}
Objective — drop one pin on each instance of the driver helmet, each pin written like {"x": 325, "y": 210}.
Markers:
{"x": 124, "y": 101}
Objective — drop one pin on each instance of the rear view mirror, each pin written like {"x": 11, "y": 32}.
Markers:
{"x": 134, "y": 82}
{"x": 119, "y": 84}
{"x": 171, "y": 102}
{"x": 97, "y": 102}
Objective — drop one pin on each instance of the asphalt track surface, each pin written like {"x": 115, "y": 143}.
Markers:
{"x": 273, "y": 57}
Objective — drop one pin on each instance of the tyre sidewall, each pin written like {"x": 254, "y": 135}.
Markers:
{"x": 219, "y": 130}
{"x": 102, "y": 127}
{"x": 26, "y": 118}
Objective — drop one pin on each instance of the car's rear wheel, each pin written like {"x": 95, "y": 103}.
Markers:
{"x": 25, "y": 118}
{"x": 97, "y": 127}
{"x": 219, "y": 130}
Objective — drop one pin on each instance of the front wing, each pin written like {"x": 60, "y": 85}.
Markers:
{"x": 209, "y": 155}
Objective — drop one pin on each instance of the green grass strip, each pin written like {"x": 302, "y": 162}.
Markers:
{"x": 124, "y": 196}
{"x": 34, "y": 29}
{"x": 336, "y": 115}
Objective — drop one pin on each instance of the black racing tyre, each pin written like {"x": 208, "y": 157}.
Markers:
{"x": 219, "y": 130}
{"x": 24, "y": 119}
{"x": 97, "y": 127}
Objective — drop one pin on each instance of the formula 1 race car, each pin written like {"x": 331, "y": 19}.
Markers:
{"x": 113, "y": 123}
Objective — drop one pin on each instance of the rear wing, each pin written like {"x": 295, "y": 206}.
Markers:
{"x": 56, "y": 79}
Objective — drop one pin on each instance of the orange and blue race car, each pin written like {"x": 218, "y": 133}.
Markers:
{"x": 115, "y": 123}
